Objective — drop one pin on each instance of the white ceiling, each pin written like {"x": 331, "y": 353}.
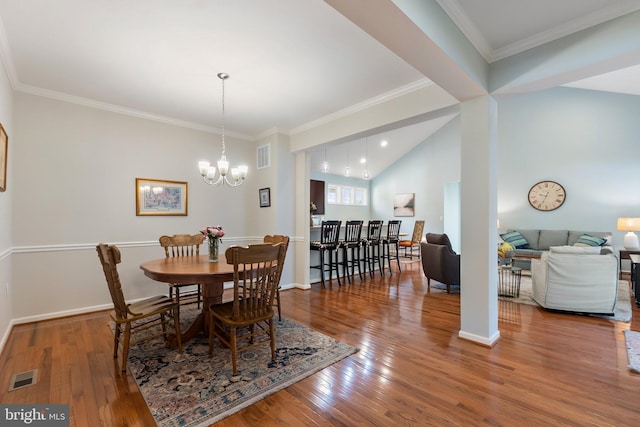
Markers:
{"x": 291, "y": 62}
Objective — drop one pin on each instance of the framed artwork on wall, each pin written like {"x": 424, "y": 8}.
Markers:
{"x": 403, "y": 204}
{"x": 4, "y": 146}
{"x": 265, "y": 197}
{"x": 155, "y": 197}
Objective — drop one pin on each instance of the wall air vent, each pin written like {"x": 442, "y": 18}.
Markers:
{"x": 263, "y": 155}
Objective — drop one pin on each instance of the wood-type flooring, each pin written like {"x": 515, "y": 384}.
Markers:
{"x": 547, "y": 369}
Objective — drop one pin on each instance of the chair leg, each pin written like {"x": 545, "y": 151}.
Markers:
{"x": 383, "y": 257}
{"x": 272, "y": 337}
{"x": 125, "y": 346}
{"x": 322, "y": 268}
{"x": 278, "y": 302}
{"x": 398, "y": 258}
{"x": 116, "y": 340}
{"x": 234, "y": 350}
{"x": 356, "y": 259}
{"x": 333, "y": 265}
{"x": 345, "y": 264}
{"x": 199, "y": 295}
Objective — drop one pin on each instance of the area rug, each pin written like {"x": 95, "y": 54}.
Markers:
{"x": 622, "y": 312}
{"x": 632, "y": 341}
{"x": 191, "y": 389}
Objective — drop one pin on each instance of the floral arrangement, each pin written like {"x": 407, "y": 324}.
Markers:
{"x": 213, "y": 232}
{"x": 313, "y": 208}
{"x": 505, "y": 250}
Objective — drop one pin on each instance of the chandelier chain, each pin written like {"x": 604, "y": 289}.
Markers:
{"x": 223, "y": 77}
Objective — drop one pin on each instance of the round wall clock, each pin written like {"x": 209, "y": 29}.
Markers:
{"x": 547, "y": 195}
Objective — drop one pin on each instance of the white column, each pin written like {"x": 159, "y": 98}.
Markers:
{"x": 478, "y": 273}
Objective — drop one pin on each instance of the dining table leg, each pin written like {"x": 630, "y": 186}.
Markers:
{"x": 211, "y": 294}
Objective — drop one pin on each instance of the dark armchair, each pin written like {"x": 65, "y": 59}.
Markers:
{"x": 439, "y": 261}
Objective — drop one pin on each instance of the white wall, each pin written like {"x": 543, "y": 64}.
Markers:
{"x": 424, "y": 171}
{"x": 75, "y": 171}
{"x": 6, "y": 206}
{"x": 585, "y": 140}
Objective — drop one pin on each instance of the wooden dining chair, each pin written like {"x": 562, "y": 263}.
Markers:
{"x": 183, "y": 245}
{"x": 414, "y": 243}
{"x": 275, "y": 239}
{"x": 256, "y": 273}
{"x": 149, "y": 316}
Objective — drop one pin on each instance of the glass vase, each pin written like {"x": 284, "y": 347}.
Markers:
{"x": 214, "y": 247}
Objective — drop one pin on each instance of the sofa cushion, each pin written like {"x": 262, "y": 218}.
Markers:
{"x": 531, "y": 236}
{"x": 515, "y": 239}
{"x": 528, "y": 252}
{"x": 588, "y": 240}
{"x": 575, "y": 235}
{"x": 575, "y": 250}
{"x": 550, "y": 238}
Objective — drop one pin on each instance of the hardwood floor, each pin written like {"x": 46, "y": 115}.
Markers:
{"x": 412, "y": 369}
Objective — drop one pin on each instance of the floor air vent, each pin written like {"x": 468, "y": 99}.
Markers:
{"x": 23, "y": 379}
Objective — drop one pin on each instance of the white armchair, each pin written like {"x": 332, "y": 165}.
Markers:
{"x": 575, "y": 279}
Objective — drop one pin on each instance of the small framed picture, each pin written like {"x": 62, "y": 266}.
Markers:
{"x": 265, "y": 197}
{"x": 404, "y": 204}
{"x": 158, "y": 197}
{"x": 4, "y": 146}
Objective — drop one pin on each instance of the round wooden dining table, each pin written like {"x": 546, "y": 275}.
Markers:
{"x": 189, "y": 270}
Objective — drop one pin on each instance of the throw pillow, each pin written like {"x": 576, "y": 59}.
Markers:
{"x": 515, "y": 239}
{"x": 588, "y": 240}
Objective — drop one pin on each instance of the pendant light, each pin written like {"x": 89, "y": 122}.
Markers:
{"x": 365, "y": 175}
{"x": 347, "y": 170}
{"x": 325, "y": 164}
{"x": 208, "y": 172}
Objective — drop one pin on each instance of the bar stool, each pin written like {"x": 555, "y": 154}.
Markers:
{"x": 372, "y": 246}
{"x": 393, "y": 237}
{"x": 352, "y": 240}
{"x": 328, "y": 244}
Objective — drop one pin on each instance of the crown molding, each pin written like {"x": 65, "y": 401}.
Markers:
{"x": 569, "y": 27}
{"x": 466, "y": 26}
{"x": 403, "y": 90}
{"x": 5, "y": 56}
{"x": 91, "y": 103}
{"x": 470, "y": 30}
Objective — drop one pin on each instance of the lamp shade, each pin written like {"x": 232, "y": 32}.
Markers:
{"x": 628, "y": 224}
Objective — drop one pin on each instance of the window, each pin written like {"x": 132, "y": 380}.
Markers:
{"x": 345, "y": 195}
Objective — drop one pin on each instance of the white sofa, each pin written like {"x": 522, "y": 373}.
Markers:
{"x": 575, "y": 279}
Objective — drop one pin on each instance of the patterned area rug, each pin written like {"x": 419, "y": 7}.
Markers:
{"x": 632, "y": 340}
{"x": 622, "y": 312}
{"x": 191, "y": 389}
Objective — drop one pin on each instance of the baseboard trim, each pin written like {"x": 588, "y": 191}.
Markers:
{"x": 484, "y": 341}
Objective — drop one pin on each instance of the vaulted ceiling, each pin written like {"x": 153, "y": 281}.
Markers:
{"x": 291, "y": 62}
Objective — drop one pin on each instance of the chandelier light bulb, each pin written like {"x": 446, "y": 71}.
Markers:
{"x": 208, "y": 172}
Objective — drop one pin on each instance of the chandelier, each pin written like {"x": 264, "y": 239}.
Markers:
{"x": 208, "y": 172}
